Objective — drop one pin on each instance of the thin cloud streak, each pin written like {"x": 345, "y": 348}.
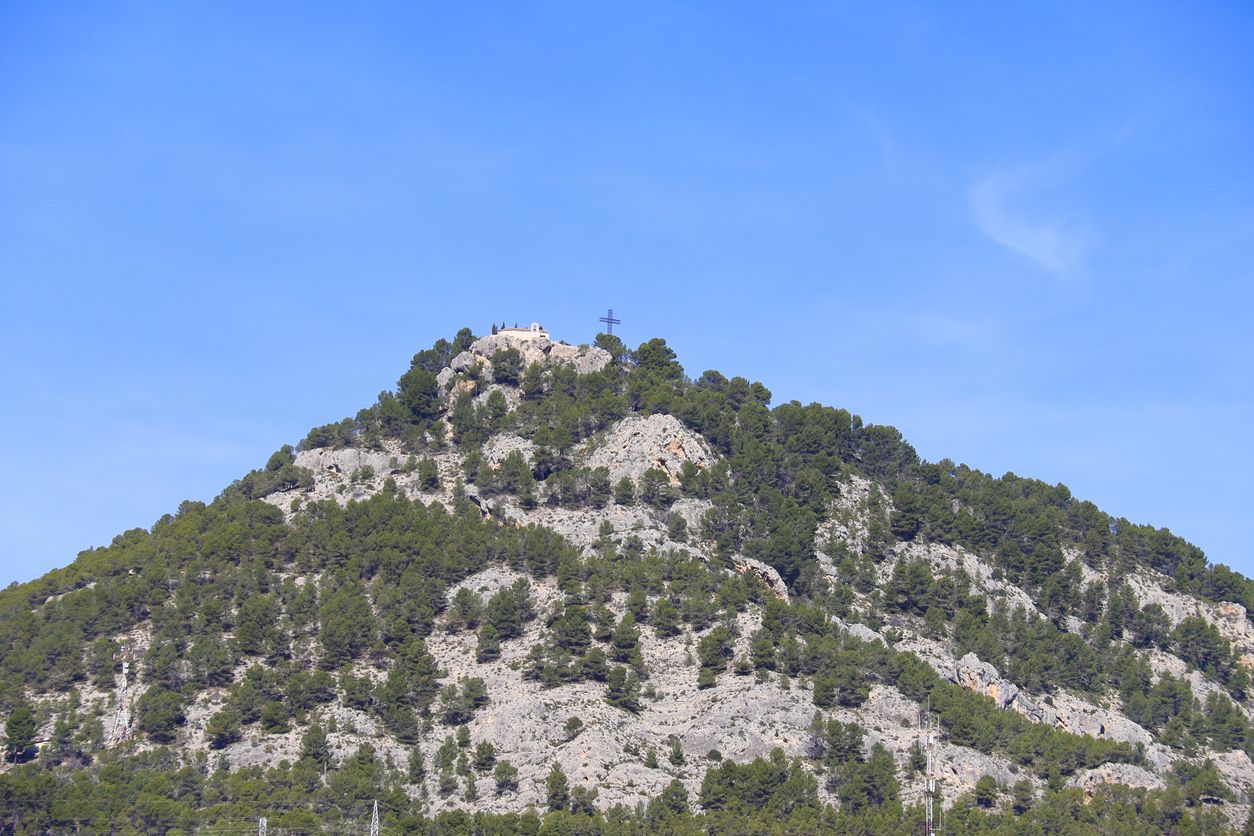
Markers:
{"x": 1053, "y": 246}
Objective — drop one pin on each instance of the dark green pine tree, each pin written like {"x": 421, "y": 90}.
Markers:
{"x": 19, "y": 731}
{"x": 557, "y": 789}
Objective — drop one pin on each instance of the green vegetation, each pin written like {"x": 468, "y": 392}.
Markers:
{"x": 286, "y": 617}
{"x": 154, "y": 793}
{"x": 19, "y": 731}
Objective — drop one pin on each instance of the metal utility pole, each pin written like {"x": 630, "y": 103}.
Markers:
{"x": 374, "y": 820}
{"x": 261, "y": 826}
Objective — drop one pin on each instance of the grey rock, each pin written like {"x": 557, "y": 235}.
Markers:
{"x": 849, "y": 516}
{"x": 585, "y": 359}
{"x": 636, "y": 444}
{"x": 1067, "y": 713}
{"x": 344, "y": 462}
{"x": 463, "y": 361}
{"x": 582, "y": 526}
{"x": 864, "y": 633}
{"x": 983, "y": 678}
{"x": 764, "y": 573}
{"x": 1237, "y": 771}
{"x": 534, "y": 349}
{"x": 1230, "y": 619}
{"x": 498, "y": 448}
{"x": 1116, "y": 773}
{"x": 513, "y": 397}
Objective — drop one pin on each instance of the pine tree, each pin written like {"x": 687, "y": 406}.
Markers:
{"x": 677, "y": 752}
{"x": 446, "y": 754}
{"x": 485, "y": 756}
{"x": 638, "y": 604}
{"x": 672, "y": 802}
{"x": 506, "y": 777}
{"x": 623, "y": 690}
{"x": 624, "y": 491}
{"x": 223, "y": 728}
{"x": 417, "y": 770}
{"x": 428, "y": 474}
{"x": 665, "y": 619}
{"x": 626, "y": 642}
{"x": 19, "y": 731}
{"x": 557, "y": 789}
{"x": 419, "y": 393}
{"x": 448, "y": 782}
{"x": 488, "y": 648}
{"x": 571, "y": 632}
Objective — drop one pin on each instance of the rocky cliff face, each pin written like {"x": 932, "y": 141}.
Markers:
{"x": 637, "y": 444}
{"x": 545, "y": 352}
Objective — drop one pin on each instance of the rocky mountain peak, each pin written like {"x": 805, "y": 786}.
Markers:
{"x": 531, "y": 347}
{"x": 562, "y": 561}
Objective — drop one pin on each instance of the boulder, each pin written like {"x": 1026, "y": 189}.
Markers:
{"x": 864, "y": 633}
{"x": 445, "y": 377}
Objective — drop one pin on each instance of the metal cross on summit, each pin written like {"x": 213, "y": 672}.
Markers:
{"x": 610, "y": 322}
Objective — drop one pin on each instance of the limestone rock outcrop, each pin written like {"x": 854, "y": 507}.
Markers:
{"x": 983, "y": 678}
{"x": 1230, "y": 619}
{"x": 1115, "y": 773}
{"x": 542, "y": 350}
{"x": 344, "y": 462}
{"x": 499, "y": 447}
{"x": 1066, "y": 713}
{"x": 768, "y": 575}
{"x": 636, "y": 444}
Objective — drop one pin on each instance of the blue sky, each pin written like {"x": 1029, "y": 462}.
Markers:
{"x": 1023, "y": 236}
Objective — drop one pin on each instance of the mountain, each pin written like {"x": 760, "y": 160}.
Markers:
{"x": 569, "y": 589}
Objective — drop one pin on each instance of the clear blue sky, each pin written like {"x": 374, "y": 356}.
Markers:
{"x": 1024, "y": 237}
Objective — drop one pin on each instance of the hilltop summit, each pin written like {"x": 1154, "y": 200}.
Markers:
{"x": 568, "y": 578}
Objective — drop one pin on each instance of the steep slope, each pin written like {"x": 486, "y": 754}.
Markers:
{"x": 577, "y": 559}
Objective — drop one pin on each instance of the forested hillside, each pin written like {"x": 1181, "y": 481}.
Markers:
{"x": 573, "y": 589}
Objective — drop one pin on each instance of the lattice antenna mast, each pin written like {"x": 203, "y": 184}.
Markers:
{"x": 261, "y": 826}
{"x": 122, "y": 720}
{"x": 374, "y": 820}
{"x": 610, "y": 321}
{"x": 931, "y": 732}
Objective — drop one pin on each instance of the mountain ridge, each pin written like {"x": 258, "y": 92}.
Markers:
{"x": 686, "y": 568}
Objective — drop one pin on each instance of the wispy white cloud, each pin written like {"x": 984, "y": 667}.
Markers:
{"x": 1056, "y": 246}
